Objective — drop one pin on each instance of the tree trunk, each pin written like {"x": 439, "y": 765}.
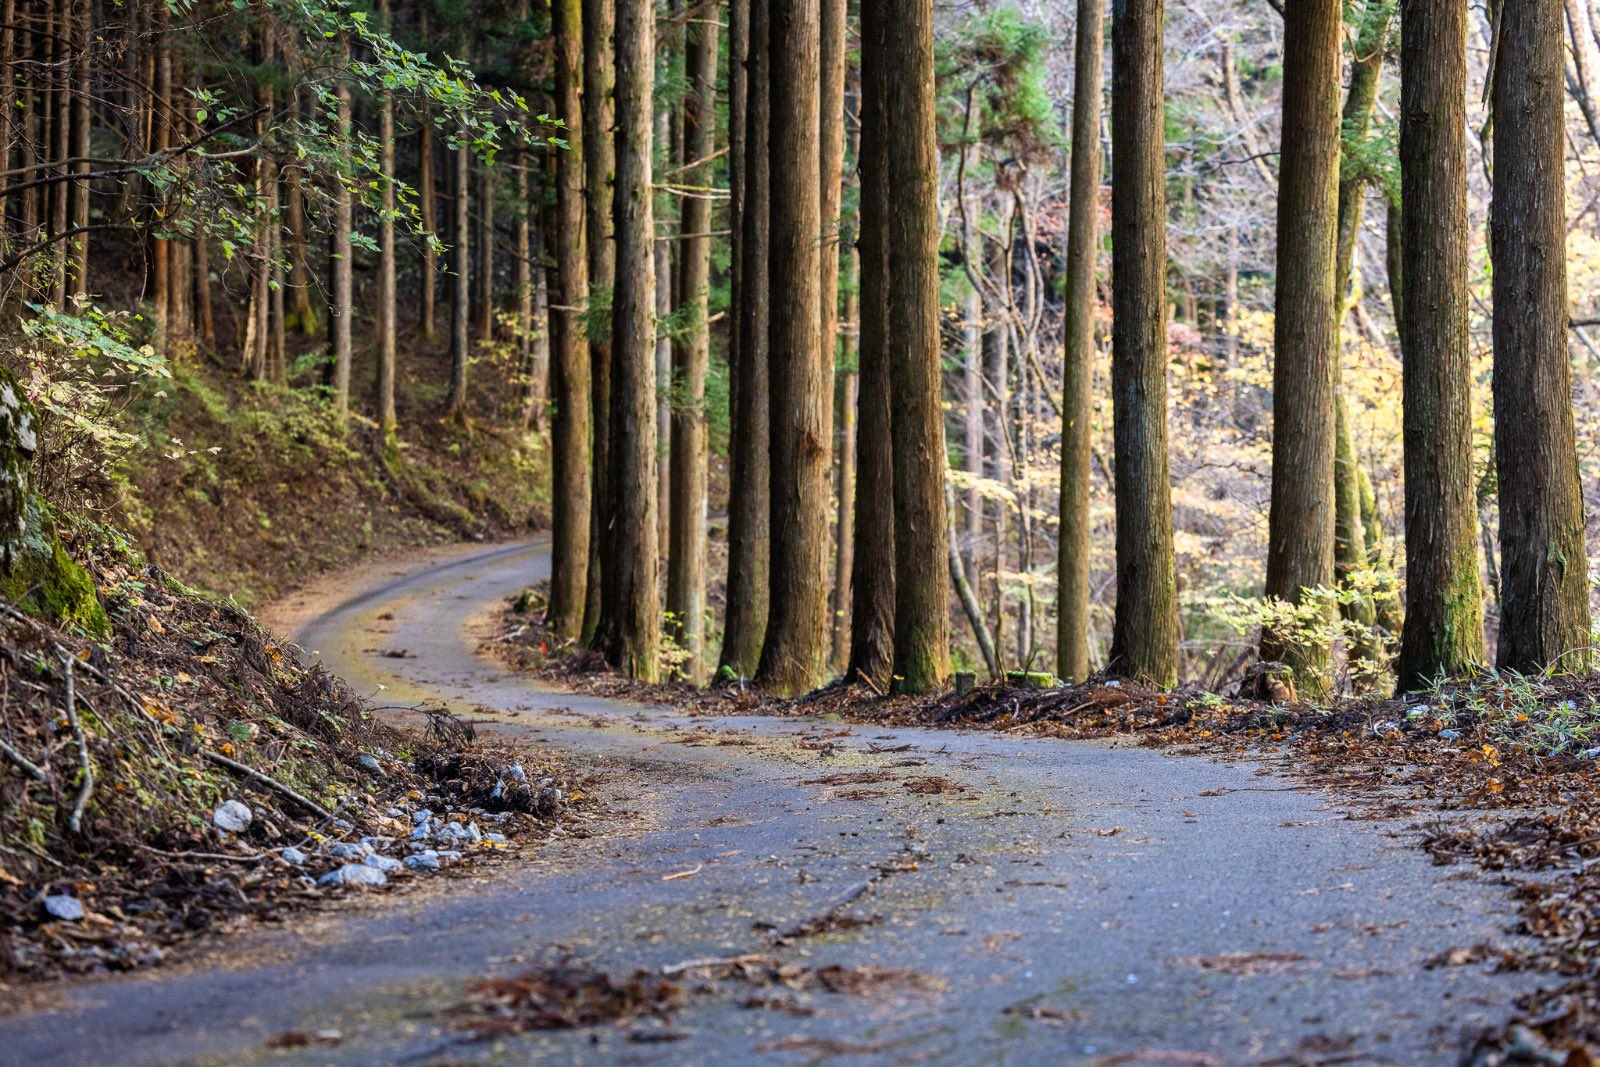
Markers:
{"x": 686, "y": 567}
{"x": 1305, "y": 332}
{"x": 972, "y": 427}
{"x": 460, "y": 342}
{"x": 1144, "y": 642}
{"x": 600, "y": 164}
{"x": 749, "y": 475}
{"x": 1544, "y": 599}
{"x": 82, "y": 31}
{"x": 632, "y": 615}
{"x": 1077, "y": 384}
{"x": 571, "y": 431}
{"x": 848, "y": 388}
{"x": 1444, "y": 601}
{"x": 387, "y": 330}
{"x": 922, "y": 614}
{"x": 342, "y": 312}
{"x": 794, "y": 656}
{"x": 427, "y": 203}
{"x": 667, "y": 142}
{"x": 483, "y": 334}
{"x": 831, "y": 63}
{"x": 872, "y": 595}
{"x": 970, "y": 604}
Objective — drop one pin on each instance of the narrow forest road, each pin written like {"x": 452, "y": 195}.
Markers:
{"x": 1078, "y": 902}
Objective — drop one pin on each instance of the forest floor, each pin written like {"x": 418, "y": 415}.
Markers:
{"x": 1499, "y": 772}
{"x": 796, "y": 887}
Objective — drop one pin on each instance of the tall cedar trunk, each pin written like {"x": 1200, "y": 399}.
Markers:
{"x": 848, "y": 388}
{"x": 668, "y": 145}
{"x": 921, "y": 607}
{"x": 831, "y": 64}
{"x": 61, "y": 144}
{"x": 343, "y": 309}
{"x": 749, "y": 476}
{"x": 1144, "y": 640}
{"x": 738, "y": 117}
{"x": 794, "y": 656}
{"x": 872, "y": 595}
{"x": 569, "y": 349}
{"x": 600, "y": 164}
{"x": 527, "y": 302}
{"x": 8, "y": 93}
{"x": 1077, "y": 376}
{"x": 159, "y": 140}
{"x": 631, "y": 619}
{"x": 686, "y": 567}
{"x": 461, "y": 299}
{"x": 972, "y": 427}
{"x": 1444, "y": 599}
{"x": 483, "y": 332}
{"x": 82, "y": 30}
{"x": 1305, "y": 330}
{"x": 387, "y": 332}
{"x": 428, "y": 204}
{"x": 1544, "y": 598}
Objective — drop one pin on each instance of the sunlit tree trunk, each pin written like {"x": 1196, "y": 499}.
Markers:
{"x": 1443, "y": 634}
{"x": 1544, "y": 599}
{"x": 569, "y": 348}
{"x": 1077, "y": 408}
{"x": 1144, "y": 642}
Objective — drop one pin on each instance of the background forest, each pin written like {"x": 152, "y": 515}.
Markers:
{"x": 293, "y": 279}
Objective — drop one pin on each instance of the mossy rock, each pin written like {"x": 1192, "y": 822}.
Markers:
{"x": 1031, "y": 679}
{"x": 36, "y": 574}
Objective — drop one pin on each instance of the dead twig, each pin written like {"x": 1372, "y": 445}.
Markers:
{"x": 24, "y": 762}
{"x": 85, "y": 771}
{"x": 268, "y": 781}
{"x": 713, "y": 961}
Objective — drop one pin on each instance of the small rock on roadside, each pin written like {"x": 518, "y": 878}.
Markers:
{"x": 232, "y": 816}
{"x": 369, "y": 763}
{"x": 294, "y": 856}
{"x": 386, "y": 864}
{"x": 426, "y": 860}
{"x": 354, "y": 874}
{"x": 63, "y": 906}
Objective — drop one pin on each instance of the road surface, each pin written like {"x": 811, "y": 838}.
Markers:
{"x": 1070, "y": 903}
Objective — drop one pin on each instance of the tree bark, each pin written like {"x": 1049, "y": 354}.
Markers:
{"x": 794, "y": 655}
{"x": 600, "y": 164}
{"x": 1305, "y": 331}
{"x": 427, "y": 203}
{"x": 872, "y": 595}
{"x": 686, "y": 567}
{"x": 1077, "y": 385}
{"x": 460, "y": 342}
{"x": 387, "y": 331}
{"x": 848, "y": 389}
{"x": 632, "y": 617}
{"x": 749, "y": 477}
{"x": 571, "y": 430}
{"x": 1544, "y": 599}
{"x": 831, "y": 63}
{"x": 1144, "y": 642}
{"x": 343, "y": 309}
{"x": 922, "y": 613}
{"x": 1443, "y": 635}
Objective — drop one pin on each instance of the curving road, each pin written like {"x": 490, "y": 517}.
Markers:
{"x": 1074, "y": 903}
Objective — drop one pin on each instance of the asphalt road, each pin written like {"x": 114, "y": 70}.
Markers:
{"x": 1070, "y": 904}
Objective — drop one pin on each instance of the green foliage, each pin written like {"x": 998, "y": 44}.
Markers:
{"x": 992, "y": 78}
